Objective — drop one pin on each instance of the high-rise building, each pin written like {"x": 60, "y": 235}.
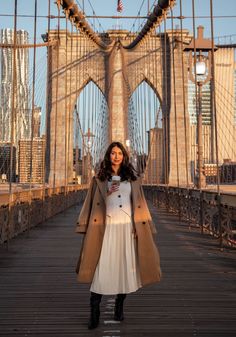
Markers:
{"x": 206, "y": 103}
{"x": 224, "y": 111}
{"x": 5, "y": 161}
{"x": 32, "y": 159}
{"x": 21, "y": 121}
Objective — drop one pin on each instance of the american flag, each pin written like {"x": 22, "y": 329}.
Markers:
{"x": 119, "y": 6}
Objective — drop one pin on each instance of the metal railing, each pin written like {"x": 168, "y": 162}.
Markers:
{"x": 27, "y": 209}
{"x": 211, "y": 213}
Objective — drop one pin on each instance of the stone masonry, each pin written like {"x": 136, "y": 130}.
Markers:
{"x": 75, "y": 61}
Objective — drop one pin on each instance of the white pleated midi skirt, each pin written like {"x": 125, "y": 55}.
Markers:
{"x": 117, "y": 270}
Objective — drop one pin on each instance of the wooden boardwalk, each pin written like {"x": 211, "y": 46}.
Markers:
{"x": 39, "y": 294}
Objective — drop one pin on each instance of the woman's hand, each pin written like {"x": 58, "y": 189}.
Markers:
{"x": 112, "y": 189}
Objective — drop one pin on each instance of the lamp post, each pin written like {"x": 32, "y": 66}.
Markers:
{"x": 87, "y": 145}
{"x": 200, "y": 76}
{"x": 200, "y": 73}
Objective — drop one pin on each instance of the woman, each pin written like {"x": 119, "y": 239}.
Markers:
{"x": 118, "y": 254}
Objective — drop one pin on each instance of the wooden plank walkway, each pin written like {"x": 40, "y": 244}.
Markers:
{"x": 39, "y": 294}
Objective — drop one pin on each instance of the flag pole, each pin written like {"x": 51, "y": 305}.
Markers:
{"x": 119, "y": 10}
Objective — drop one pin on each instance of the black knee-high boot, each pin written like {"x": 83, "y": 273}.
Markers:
{"x": 119, "y": 314}
{"x": 95, "y": 300}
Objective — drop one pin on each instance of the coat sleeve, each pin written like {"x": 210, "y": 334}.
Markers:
{"x": 150, "y": 221}
{"x": 83, "y": 219}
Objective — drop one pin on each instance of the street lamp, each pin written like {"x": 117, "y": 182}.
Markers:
{"x": 87, "y": 145}
{"x": 200, "y": 69}
{"x": 200, "y": 73}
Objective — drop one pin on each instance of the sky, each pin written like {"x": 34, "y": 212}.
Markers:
{"x": 222, "y": 26}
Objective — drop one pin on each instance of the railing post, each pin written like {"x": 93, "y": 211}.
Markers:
{"x": 220, "y": 221}
{"x": 201, "y": 210}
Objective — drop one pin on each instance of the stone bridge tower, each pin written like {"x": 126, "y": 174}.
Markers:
{"x": 117, "y": 72}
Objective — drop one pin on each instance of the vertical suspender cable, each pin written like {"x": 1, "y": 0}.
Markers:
{"x": 92, "y": 92}
{"x": 76, "y": 108}
{"x": 32, "y": 116}
{"x": 13, "y": 113}
{"x": 175, "y": 110}
{"x": 144, "y": 109}
{"x": 138, "y": 110}
{"x": 165, "y": 116}
{"x": 79, "y": 100}
{"x": 155, "y": 105}
{"x": 95, "y": 118}
{"x": 165, "y": 120}
{"x": 70, "y": 110}
{"x": 214, "y": 96}
{"x": 93, "y": 95}
{"x": 84, "y": 126}
{"x": 66, "y": 112}
{"x": 155, "y": 108}
{"x": 83, "y": 56}
{"x": 152, "y": 130}
{"x": 47, "y": 109}
{"x": 216, "y": 127}
{"x": 150, "y": 52}
{"x": 184, "y": 96}
{"x": 184, "y": 106}
{"x": 85, "y": 110}
{"x": 143, "y": 161}
{"x": 56, "y": 108}
{"x": 161, "y": 103}
{"x": 151, "y": 106}
{"x": 144, "y": 105}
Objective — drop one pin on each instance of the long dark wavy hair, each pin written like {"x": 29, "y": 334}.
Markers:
{"x": 126, "y": 171}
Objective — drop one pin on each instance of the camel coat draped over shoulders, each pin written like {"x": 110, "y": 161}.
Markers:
{"x": 92, "y": 223}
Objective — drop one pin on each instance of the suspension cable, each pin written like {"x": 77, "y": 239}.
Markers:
{"x": 70, "y": 144}
{"x": 166, "y": 114}
{"x": 184, "y": 96}
{"x": 65, "y": 111}
{"x": 32, "y": 114}
{"x": 174, "y": 88}
{"x": 46, "y": 117}
{"x": 13, "y": 116}
{"x": 56, "y": 108}
{"x": 216, "y": 128}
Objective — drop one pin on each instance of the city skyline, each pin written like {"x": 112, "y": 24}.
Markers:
{"x": 22, "y": 120}
{"x": 222, "y": 26}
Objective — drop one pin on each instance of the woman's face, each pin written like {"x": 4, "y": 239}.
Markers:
{"x": 116, "y": 156}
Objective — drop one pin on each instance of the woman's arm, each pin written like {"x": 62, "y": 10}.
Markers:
{"x": 83, "y": 219}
